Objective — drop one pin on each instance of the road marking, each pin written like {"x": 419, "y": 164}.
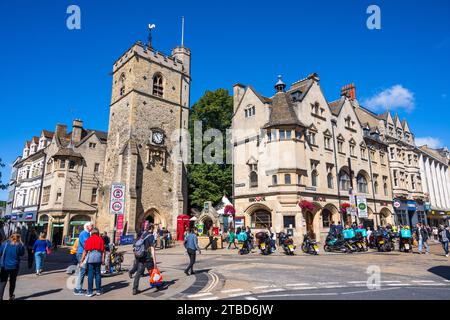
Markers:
{"x": 250, "y": 298}
{"x": 231, "y": 290}
{"x": 296, "y": 284}
{"x": 246, "y": 293}
{"x": 273, "y": 290}
{"x": 419, "y": 281}
{"x": 355, "y": 282}
{"x": 393, "y": 281}
{"x": 370, "y": 290}
{"x": 399, "y": 284}
{"x": 432, "y": 284}
{"x": 198, "y": 295}
{"x": 211, "y": 298}
{"x": 215, "y": 280}
{"x": 262, "y": 287}
{"x": 327, "y": 283}
{"x": 330, "y": 287}
{"x": 297, "y": 294}
{"x": 447, "y": 280}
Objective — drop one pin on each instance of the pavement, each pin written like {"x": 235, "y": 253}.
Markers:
{"x": 223, "y": 274}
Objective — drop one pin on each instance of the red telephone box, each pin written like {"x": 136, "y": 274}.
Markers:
{"x": 182, "y": 225}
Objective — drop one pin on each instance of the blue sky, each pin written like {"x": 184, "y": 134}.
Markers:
{"x": 51, "y": 74}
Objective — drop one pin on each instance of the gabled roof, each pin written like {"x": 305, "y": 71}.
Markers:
{"x": 405, "y": 126}
{"x": 367, "y": 118}
{"x": 282, "y": 112}
{"x": 35, "y": 140}
{"x": 336, "y": 105}
{"x": 397, "y": 122}
{"x": 47, "y": 134}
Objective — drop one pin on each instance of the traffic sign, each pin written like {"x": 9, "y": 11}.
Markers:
{"x": 117, "y": 203}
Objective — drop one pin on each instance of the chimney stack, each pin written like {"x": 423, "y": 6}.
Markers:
{"x": 77, "y": 129}
{"x": 61, "y": 130}
{"x": 349, "y": 91}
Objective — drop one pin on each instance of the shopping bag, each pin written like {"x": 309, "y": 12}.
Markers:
{"x": 156, "y": 279}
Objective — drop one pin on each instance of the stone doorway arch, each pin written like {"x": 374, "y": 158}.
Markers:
{"x": 385, "y": 216}
{"x": 151, "y": 216}
{"x": 259, "y": 216}
{"x": 312, "y": 221}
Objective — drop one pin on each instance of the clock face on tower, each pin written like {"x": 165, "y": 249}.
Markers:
{"x": 158, "y": 138}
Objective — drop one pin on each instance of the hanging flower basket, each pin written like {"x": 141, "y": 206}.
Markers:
{"x": 229, "y": 210}
{"x": 306, "y": 205}
{"x": 343, "y": 207}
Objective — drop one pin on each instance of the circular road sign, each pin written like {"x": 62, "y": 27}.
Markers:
{"x": 117, "y": 206}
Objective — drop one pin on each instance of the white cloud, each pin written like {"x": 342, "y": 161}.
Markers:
{"x": 395, "y": 97}
{"x": 429, "y": 141}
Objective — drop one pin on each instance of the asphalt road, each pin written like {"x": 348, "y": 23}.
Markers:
{"x": 365, "y": 276}
{"x": 224, "y": 275}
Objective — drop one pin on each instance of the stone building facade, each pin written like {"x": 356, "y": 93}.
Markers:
{"x": 72, "y": 179}
{"x": 434, "y": 169}
{"x": 28, "y": 181}
{"x": 409, "y": 199}
{"x": 296, "y": 146}
{"x": 149, "y": 106}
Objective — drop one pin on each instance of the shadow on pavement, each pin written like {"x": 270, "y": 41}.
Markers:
{"x": 441, "y": 271}
{"x": 39, "y": 294}
{"x": 55, "y": 262}
{"x": 202, "y": 271}
{"x": 165, "y": 286}
{"x": 115, "y": 286}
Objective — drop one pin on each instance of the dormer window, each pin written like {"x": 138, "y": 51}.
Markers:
{"x": 158, "y": 88}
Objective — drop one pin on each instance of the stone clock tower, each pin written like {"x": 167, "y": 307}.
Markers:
{"x": 149, "y": 104}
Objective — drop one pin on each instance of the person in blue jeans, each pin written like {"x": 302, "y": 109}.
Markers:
{"x": 84, "y": 235}
{"x": 40, "y": 252}
{"x": 10, "y": 253}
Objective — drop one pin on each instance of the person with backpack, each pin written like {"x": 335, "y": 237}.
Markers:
{"x": 40, "y": 249}
{"x": 84, "y": 235}
{"x": 11, "y": 250}
{"x": 94, "y": 257}
{"x": 191, "y": 245}
{"x": 144, "y": 256}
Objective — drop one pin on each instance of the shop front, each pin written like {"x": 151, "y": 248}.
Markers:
{"x": 76, "y": 226}
{"x": 409, "y": 212}
{"x": 438, "y": 217}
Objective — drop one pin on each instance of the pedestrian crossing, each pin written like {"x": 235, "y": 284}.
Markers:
{"x": 252, "y": 292}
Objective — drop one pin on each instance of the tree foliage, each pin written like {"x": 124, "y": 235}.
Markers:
{"x": 209, "y": 182}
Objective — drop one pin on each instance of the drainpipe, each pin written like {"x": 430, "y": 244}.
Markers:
{"x": 333, "y": 124}
{"x": 81, "y": 188}
{"x": 371, "y": 181}
{"x": 42, "y": 186}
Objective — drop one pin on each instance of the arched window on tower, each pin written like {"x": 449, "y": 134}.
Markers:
{"x": 158, "y": 85}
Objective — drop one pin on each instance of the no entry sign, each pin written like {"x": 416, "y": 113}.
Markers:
{"x": 117, "y": 202}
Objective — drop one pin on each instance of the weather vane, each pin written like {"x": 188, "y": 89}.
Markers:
{"x": 150, "y": 27}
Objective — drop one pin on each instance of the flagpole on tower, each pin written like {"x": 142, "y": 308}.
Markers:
{"x": 182, "y": 31}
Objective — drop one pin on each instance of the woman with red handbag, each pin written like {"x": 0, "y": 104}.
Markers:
{"x": 40, "y": 249}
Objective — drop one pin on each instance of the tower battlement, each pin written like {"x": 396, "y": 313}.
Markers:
{"x": 142, "y": 51}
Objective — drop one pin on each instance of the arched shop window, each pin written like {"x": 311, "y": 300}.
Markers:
{"x": 261, "y": 220}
